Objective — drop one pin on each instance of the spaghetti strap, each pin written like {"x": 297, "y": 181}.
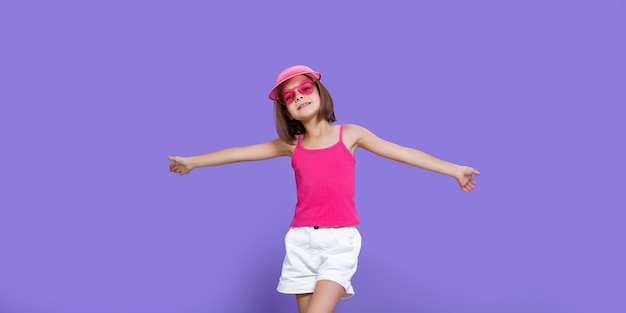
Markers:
{"x": 341, "y": 132}
{"x": 299, "y": 139}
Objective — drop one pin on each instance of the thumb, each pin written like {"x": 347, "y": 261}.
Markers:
{"x": 171, "y": 158}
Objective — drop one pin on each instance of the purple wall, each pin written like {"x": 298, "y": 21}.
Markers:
{"x": 95, "y": 96}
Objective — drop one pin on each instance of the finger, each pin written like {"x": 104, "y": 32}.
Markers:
{"x": 476, "y": 173}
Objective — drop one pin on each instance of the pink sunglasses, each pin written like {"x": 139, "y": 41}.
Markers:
{"x": 305, "y": 87}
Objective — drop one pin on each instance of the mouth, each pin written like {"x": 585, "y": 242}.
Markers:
{"x": 303, "y": 105}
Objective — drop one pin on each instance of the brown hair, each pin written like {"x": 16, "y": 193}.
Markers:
{"x": 287, "y": 128}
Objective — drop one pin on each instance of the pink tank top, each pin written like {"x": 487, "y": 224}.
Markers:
{"x": 325, "y": 185}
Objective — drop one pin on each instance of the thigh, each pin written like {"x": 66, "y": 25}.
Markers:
{"x": 325, "y": 297}
{"x": 303, "y": 300}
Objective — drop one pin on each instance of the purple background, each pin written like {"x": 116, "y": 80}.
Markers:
{"x": 96, "y": 94}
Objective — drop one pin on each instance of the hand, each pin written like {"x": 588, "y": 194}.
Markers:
{"x": 180, "y": 165}
{"x": 464, "y": 176}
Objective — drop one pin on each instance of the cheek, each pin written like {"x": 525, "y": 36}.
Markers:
{"x": 317, "y": 99}
{"x": 316, "y": 95}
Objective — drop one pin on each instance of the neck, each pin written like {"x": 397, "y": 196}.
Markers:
{"x": 316, "y": 128}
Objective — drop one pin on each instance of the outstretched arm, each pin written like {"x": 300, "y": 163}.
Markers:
{"x": 263, "y": 151}
{"x": 369, "y": 141}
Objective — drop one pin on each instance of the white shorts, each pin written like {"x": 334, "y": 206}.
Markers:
{"x": 325, "y": 253}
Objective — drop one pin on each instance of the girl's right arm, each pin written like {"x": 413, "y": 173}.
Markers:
{"x": 263, "y": 151}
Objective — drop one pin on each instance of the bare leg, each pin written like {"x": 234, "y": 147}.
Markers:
{"x": 325, "y": 297}
{"x": 303, "y": 301}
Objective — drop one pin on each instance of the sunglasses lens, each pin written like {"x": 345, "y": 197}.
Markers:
{"x": 306, "y": 87}
{"x": 287, "y": 97}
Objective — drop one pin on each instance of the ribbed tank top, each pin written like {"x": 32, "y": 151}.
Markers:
{"x": 325, "y": 185}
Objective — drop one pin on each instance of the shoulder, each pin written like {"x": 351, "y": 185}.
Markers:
{"x": 354, "y": 135}
{"x": 356, "y": 131}
{"x": 362, "y": 137}
{"x": 285, "y": 148}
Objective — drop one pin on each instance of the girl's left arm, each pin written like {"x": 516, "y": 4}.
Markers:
{"x": 369, "y": 141}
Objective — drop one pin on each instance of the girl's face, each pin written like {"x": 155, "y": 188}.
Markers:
{"x": 301, "y": 98}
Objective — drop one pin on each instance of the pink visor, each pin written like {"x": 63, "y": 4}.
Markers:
{"x": 291, "y": 72}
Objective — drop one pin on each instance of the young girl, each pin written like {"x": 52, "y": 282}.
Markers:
{"x": 322, "y": 243}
